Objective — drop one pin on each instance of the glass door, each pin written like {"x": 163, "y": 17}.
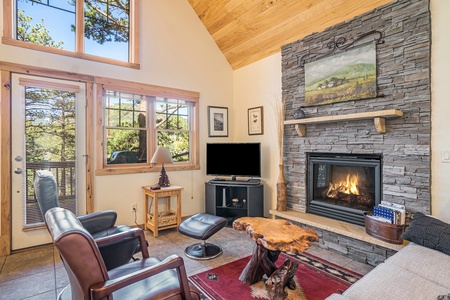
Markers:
{"x": 48, "y": 132}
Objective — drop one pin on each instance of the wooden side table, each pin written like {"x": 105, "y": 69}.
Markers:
{"x": 155, "y": 220}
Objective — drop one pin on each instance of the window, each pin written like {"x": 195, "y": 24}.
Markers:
{"x": 126, "y": 127}
{"x": 173, "y": 123}
{"x": 100, "y": 30}
{"x": 138, "y": 119}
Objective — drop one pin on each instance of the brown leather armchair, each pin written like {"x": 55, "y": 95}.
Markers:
{"x": 147, "y": 278}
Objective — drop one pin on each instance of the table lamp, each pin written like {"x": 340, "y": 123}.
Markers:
{"x": 162, "y": 156}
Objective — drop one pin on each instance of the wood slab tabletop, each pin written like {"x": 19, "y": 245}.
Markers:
{"x": 277, "y": 234}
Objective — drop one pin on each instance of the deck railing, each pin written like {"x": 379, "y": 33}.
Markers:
{"x": 65, "y": 177}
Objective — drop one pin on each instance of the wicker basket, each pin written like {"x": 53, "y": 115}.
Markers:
{"x": 165, "y": 218}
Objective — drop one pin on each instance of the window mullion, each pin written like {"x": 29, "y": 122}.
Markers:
{"x": 79, "y": 30}
{"x": 152, "y": 134}
{"x": 120, "y": 110}
{"x": 134, "y": 35}
{"x": 124, "y": 128}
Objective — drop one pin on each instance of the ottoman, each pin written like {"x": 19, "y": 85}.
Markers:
{"x": 202, "y": 226}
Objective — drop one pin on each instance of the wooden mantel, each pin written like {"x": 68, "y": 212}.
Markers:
{"x": 378, "y": 117}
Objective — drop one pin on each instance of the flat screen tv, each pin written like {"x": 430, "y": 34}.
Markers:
{"x": 233, "y": 159}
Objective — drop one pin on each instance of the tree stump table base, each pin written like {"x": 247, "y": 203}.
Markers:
{"x": 273, "y": 237}
{"x": 280, "y": 279}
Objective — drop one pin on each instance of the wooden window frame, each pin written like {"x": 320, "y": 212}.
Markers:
{"x": 152, "y": 91}
{"x": 134, "y": 39}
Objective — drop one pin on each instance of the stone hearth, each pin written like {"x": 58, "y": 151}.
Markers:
{"x": 347, "y": 239}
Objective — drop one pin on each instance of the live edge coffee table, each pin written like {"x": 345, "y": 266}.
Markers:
{"x": 273, "y": 236}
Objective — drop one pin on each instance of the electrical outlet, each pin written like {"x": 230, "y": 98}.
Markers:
{"x": 445, "y": 156}
{"x": 133, "y": 207}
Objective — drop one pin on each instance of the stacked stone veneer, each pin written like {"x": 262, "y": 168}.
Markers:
{"x": 403, "y": 77}
{"x": 355, "y": 249}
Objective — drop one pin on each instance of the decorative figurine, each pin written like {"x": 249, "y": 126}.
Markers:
{"x": 299, "y": 113}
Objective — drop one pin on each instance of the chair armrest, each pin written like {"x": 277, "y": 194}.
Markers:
{"x": 119, "y": 237}
{"x": 98, "y": 221}
{"x": 102, "y": 289}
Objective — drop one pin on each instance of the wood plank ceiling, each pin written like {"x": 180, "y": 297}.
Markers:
{"x": 249, "y": 30}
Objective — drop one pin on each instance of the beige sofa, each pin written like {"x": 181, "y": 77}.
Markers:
{"x": 421, "y": 270}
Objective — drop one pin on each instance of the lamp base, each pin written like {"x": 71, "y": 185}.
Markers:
{"x": 163, "y": 178}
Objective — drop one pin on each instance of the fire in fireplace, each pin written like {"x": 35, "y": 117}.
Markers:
{"x": 350, "y": 187}
{"x": 343, "y": 186}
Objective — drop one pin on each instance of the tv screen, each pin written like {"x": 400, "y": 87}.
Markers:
{"x": 233, "y": 159}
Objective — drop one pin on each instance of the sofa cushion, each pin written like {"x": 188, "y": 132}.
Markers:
{"x": 388, "y": 281}
{"x": 429, "y": 232}
{"x": 423, "y": 262}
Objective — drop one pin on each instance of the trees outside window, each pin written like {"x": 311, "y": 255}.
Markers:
{"x": 50, "y": 144}
{"x": 136, "y": 122}
{"x": 173, "y": 121}
{"x": 101, "y": 30}
{"x": 126, "y": 127}
{"x": 107, "y": 27}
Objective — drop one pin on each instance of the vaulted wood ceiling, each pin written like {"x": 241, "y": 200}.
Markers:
{"x": 249, "y": 30}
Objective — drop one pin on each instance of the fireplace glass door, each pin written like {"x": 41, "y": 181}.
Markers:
{"x": 343, "y": 187}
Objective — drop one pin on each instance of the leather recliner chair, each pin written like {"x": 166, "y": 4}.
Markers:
{"x": 98, "y": 224}
{"x": 147, "y": 278}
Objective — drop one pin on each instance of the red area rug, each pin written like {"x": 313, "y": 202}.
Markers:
{"x": 316, "y": 280}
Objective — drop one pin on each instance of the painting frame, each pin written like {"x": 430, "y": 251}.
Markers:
{"x": 255, "y": 117}
{"x": 217, "y": 121}
{"x": 346, "y": 76}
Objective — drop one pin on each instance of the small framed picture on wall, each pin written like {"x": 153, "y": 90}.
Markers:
{"x": 255, "y": 120}
{"x": 217, "y": 121}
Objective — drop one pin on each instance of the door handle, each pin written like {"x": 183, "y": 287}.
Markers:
{"x": 18, "y": 171}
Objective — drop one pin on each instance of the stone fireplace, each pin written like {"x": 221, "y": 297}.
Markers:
{"x": 401, "y": 141}
{"x": 403, "y": 84}
{"x": 343, "y": 186}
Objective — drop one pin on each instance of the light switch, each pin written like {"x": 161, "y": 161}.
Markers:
{"x": 446, "y": 156}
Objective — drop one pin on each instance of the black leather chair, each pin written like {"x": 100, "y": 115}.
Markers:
{"x": 147, "y": 278}
{"x": 98, "y": 224}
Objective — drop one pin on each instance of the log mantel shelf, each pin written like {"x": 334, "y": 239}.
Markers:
{"x": 378, "y": 117}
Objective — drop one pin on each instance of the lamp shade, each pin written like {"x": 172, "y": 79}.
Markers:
{"x": 162, "y": 156}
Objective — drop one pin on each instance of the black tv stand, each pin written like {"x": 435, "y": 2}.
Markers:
{"x": 233, "y": 199}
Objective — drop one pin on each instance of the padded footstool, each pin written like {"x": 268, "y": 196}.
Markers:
{"x": 202, "y": 226}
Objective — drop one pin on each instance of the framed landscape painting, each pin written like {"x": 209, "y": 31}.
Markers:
{"x": 350, "y": 75}
{"x": 217, "y": 121}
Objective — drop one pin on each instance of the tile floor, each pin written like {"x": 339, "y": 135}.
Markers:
{"x": 38, "y": 273}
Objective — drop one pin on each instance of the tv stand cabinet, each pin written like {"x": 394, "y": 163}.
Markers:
{"x": 233, "y": 200}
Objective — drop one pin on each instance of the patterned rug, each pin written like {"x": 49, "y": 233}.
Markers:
{"x": 316, "y": 279}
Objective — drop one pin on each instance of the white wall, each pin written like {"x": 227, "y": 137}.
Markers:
{"x": 259, "y": 84}
{"x": 176, "y": 51}
{"x": 440, "y": 107}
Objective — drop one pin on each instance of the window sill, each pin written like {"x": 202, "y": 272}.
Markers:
{"x": 26, "y": 45}
{"x": 117, "y": 170}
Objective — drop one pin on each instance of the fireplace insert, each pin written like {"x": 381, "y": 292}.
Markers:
{"x": 343, "y": 186}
